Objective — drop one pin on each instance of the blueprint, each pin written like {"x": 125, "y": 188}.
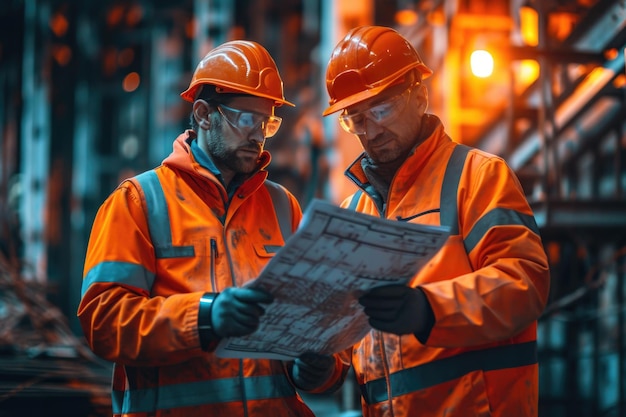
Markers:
{"x": 334, "y": 257}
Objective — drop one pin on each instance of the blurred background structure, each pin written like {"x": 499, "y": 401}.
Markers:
{"x": 89, "y": 95}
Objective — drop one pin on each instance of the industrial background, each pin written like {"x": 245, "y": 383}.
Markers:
{"x": 89, "y": 95}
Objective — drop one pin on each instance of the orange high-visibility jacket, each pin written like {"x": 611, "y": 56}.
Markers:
{"x": 487, "y": 287}
{"x": 143, "y": 282}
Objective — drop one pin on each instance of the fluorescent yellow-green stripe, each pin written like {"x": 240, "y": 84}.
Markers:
{"x": 449, "y": 189}
{"x": 202, "y": 393}
{"x": 430, "y": 374}
{"x": 130, "y": 274}
{"x": 498, "y": 217}
{"x": 159, "y": 219}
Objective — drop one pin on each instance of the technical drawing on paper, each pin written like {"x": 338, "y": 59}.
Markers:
{"x": 335, "y": 256}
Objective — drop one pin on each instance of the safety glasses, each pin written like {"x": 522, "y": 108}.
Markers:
{"x": 247, "y": 121}
{"x": 382, "y": 113}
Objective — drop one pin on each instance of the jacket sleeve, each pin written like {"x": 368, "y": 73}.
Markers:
{"x": 120, "y": 321}
{"x": 296, "y": 211}
{"x": 507, "y": 288}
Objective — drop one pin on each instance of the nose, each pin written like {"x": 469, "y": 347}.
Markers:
{"x": 257, "y": 135}
{"x": 372, "y": 129}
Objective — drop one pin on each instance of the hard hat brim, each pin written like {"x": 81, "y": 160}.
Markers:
{"x": 354, "y": 99}
{"x": 373, "y": 91}
{"x": 190, "y": 93}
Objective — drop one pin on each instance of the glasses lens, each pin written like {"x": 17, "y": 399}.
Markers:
{"x": 353, "y": 123}
{"x": 247, "y": 121}
{"x": 381, "y": 113}
{"x": 384, "y": 111}
{"x": 271, "y": 126}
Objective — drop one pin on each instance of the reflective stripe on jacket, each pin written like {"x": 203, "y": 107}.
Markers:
{"x": 152, "y": 254}
{"x": 487, "y": 287}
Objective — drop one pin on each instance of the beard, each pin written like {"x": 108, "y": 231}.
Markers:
{"x": 224, "y": 156}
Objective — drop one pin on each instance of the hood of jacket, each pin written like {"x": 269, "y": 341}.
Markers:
{"x": 182, "y": 159}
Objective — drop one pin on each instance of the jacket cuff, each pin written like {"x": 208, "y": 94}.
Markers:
{"x": 208, "y": 338}
{"x": 335, "y": 381}
{"x": 331, "y": 385}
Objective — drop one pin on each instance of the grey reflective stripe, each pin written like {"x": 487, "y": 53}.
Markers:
{"x": 272, "y": 248}
{"x": 449, "y": 208}
{"x": 282, "y": 209}
{"x": 159, "y": 218}
{"x": 215, "y": 391}
{"x": 430, "y": 374}
{"x": 355, "y": 199}
{"x": 119, "y": 272}
{"x": 449, "y": 189}
{"x": 498, "y": 217}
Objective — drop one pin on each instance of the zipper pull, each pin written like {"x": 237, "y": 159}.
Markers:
{"x": 213, "y": 258}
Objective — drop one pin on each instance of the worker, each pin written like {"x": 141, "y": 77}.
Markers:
{"x": 460, "y": 339}
{"x": 171, "y": 249}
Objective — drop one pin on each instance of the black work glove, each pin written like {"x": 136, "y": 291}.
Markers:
{"x": 237, "y": 311}
{"x": 312, "y": 370}
{"x": 398, "y": 309}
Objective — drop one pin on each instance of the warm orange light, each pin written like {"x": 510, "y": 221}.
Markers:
{"x": 190, "y": 28}
{"x": 528, "y": 25}
{"x": 611, "y": 53}
{"x": 481, "y": 63}
{"x": 437, "y": 17}
{"x": 560, "y": 24}
{"x": 554, "y": 252}
{"x": 126, "y": 57}
{"x": 131, "y": 82}
{"x": 62, "y": 54}
{"x": 406, "y": 17}
{"x": 58, "y": 24}
{"x": 134, "y": 15}
{"x": 528, "y": 71}
{"x": 109, "y": 61}
{"x": 115, "y": 15}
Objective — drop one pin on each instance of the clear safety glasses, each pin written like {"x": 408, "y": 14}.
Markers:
{"x": 381, "y": 113}
{"x": 247, "y": 121}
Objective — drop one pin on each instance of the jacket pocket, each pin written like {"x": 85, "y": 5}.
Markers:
{"x": 265, "y": 250}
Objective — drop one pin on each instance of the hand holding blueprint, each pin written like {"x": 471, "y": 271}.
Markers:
{"x": 334, "y": 257}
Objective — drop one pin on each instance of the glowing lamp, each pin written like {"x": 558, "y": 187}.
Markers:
{"x": 481, "y": 63}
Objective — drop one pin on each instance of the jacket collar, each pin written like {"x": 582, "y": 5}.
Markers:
{"x": 182, "y": 158}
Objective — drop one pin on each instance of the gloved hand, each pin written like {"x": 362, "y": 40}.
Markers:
{"x": 236, "y": 311}
{"x": 398, "y": 309}
{"x": 312, "y": 370}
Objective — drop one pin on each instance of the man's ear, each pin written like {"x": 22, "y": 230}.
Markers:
{"x": 201, "y": 114}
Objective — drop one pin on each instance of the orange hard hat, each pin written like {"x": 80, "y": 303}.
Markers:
{"x": 239, "y": 66}
{"x": 368, "y": 60}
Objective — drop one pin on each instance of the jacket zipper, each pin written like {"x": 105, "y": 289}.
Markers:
{"x": 383, "y": 354}
{"x": 381, "y": 337}
{"x": 244, "y": 397}
{"x": 213, "y": 258}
